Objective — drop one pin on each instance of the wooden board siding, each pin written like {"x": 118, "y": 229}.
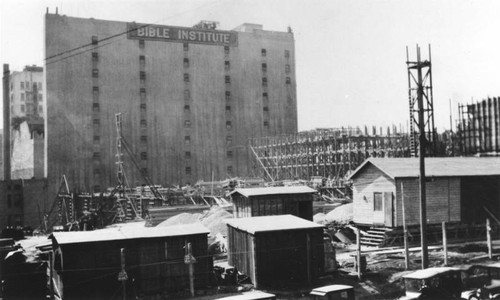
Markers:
{"x": 69, "y": 85}
{"x": 299, "y": 205}
{"x": 369, "y": 181}
{"x": 443, "y": 200}
{"x": 90, "y": 270}
{"x": 277, "y": 258}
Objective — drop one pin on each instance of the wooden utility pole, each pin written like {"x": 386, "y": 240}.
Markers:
{"x": 405, "y": 230}
{"x": 445, "y": 244}
{"x": 190, "y": 260}
{"x": 122, "y": 276}
{"x": 488, "y": 238}
{"x": 358, "y": 252}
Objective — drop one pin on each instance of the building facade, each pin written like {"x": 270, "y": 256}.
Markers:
{"x": 190, "y": 99}
{"x": 26, "y": 92}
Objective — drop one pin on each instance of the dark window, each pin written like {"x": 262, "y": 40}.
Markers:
{"x": 187, "y": 95}
{"x": 229, "y": 169}
{"x": 144, "y": 124}
{"x": 96, "y": 155}
{"x": 186, "y": 46}
{"x": 95, "y": 89}
{"x": 97, "y": 188}
{"x": 95, "y": 73}
{"x": 229, "y": 154}
{"x": 287, "y": 53}
{"x": 228, "y": 96}
{"x": 95, "y": 56}
{"x": 265, "y": 96}
{"x": 288, "y": 80}
{"x": 187, "y": 124}
{"x": 142, "y": 75}
{"x": 17, "y": 187}
{"x": 263, "y": 52}
{"x": 95, "y": 107}
{"x": 187, "y": 140}
{"x": 287, "y": 68}
{"x": 97, "y": 172}
{"x": 186, "y": 77}
{"x": 229, "y": 139}
{"x": 97, "y": 139}
{"x": 18, "y": 201}
{"x": 94, "y": 40}
{"x": 377, "y": 202}
{"x": 144, "y": 171}
{"x": 264, "y": 67}
{"x": 144, "y": 155}
{"x": 266, "y": 124}
{"x": 226, "y": 65}
{"x": 266, "y": 109}
{"x": 228, "y": 79}
{"x": 143, "y": 107}
{"x": 228, "y": 124}
{"x": 188, "y": 170}
{"x": 264, "y": 81}
{"x": 9, "y": 201}
{"x": 228, "y": 108}
{"x": 226, "y": 50}
{"x": 186, "y": 108}
{"x": 142, "y": 93}
{"x": 142, "y": 44}
{"x": 186, "y": 62}
{"x": 97, "y": 122}
{"x": 22, "y": 85}
{"x": 187, "y": 155}
{"x": 142, "y": 61}
{"x": 144, "y": 139}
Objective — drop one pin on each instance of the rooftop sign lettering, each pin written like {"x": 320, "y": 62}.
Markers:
{"x": 181, "y": 34}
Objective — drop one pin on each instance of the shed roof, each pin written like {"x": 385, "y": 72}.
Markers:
{"x": 277, "y": 190}
{"x": 429, "y": 272}
{"x": 255, "y": 295}
{"x": 124, "y": 233}
{"x": 434, "y": 166}
{"x": 331, "y": 288}
{"x": 271, "y": 223}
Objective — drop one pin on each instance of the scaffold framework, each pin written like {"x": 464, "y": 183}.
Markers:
{"x": 329, "y": 153}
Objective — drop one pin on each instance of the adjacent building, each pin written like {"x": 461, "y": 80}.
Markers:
{"x": 190, "y": 99}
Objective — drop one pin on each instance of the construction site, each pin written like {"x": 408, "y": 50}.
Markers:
{"x": 205, "y": 189}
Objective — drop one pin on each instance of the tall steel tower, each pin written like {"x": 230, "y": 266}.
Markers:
{"x": 420, "y": 91}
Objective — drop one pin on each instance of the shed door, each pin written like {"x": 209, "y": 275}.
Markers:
{"x": 388, "y": 209}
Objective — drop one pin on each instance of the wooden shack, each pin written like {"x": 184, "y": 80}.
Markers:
{"x": 86, "y": 265}
{"x": 266, "y": 201}
{"x": 458, "y": 189}
{"x": 276, "y": 251}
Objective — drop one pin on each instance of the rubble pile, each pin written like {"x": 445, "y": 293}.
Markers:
{"x": 213, "y": 219}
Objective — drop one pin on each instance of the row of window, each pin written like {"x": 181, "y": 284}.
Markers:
{"x": 30, "y": 109}
{"x": 24, "y": 97}
{"x": 229, "y": 169}
{"x": 26, "y": 85}
{"x": 263, "y": 53}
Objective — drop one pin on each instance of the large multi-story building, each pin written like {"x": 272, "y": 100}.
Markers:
{"x": 26, "y": 92}
{"x": 190, "y": 98}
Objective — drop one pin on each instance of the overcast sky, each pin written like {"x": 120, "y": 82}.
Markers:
{"x": 350, "y": 55}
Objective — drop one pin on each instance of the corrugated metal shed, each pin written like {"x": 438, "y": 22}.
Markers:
{"x": 271, "y": 223}
{"x": 278, "y": 190}
{"x": 434, "y": 166}
{"x": 124, "y": 233}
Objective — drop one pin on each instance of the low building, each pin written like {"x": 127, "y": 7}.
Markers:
{"x": 458, "y": 189}
{"x": 266, "y": 201}
{"x": 87, "y": 264}
{"x": 276, "y": 251}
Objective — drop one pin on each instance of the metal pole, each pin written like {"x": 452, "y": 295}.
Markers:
{"x": 422, "y": 146}
{"x": 405, "y": 230}
{"x": 445, "y": 244}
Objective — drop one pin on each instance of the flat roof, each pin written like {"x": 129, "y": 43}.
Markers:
{"x": 331, "y": 288}
{"x": 250, "y": 296}
{"x": 434, "y": 166}
{"x": 275, "y": 190}
{"x": 126, "y": 233}
{"x": 429, "y": 272}
{"x": 271, "y": 223}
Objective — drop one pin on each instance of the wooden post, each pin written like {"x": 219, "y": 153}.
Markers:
{"x": 308, "y": 259}
{"x": 189, "y": 260}
{"x": 51, "y": 274}
{"x": 405, "y": 230}
{"x": 488, "y": 238}
{"x": 445, "y": 245}
{"x": 358, "y": 252}
{"x": 124, "y": 287}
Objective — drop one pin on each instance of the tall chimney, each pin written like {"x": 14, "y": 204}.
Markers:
{"x": 6, "y": 122}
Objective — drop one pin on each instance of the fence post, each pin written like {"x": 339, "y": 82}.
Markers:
{"x": 445, "y": 245}
{"x": 488, "y": 238}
